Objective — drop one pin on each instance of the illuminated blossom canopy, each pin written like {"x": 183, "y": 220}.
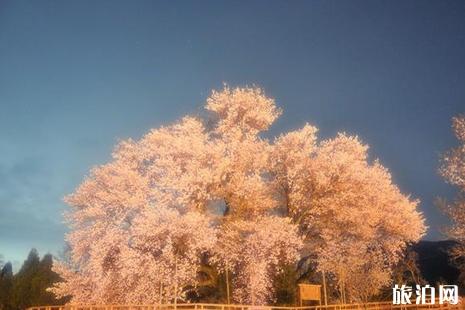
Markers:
{"x": 141, "y": 224}
{"x": 453, "y": 170}
{"x": 354, "y": 219}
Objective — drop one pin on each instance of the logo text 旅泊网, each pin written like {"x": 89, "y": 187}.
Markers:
{"x": 424, "y": 295}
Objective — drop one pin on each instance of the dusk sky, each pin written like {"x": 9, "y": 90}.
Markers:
{"x": 77, "y": 76}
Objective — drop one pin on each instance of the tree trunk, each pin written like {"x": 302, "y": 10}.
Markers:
{"x": 175, "y": 283}
{"x": 324, "y": 288}
{"x": 227, "y": 286}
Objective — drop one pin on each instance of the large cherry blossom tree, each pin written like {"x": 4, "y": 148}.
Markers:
{"x": 453, "y": 171}
{"x": 214, "y": 187}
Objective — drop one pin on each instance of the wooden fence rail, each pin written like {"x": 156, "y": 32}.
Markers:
{"x": 360, "y": 306}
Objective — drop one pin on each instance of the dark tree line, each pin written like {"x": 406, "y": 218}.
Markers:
{"x": 28, "y": 287}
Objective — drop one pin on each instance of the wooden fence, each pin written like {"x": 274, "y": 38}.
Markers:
{"x": 362, "y": 306}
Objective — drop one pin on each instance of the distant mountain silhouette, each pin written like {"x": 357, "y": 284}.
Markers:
{"x": 434, "y": 262}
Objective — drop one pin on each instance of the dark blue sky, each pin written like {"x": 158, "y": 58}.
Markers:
{"x": 76, "y": 76}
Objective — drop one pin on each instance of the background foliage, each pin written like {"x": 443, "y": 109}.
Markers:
{"x": 29, "y": 285}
